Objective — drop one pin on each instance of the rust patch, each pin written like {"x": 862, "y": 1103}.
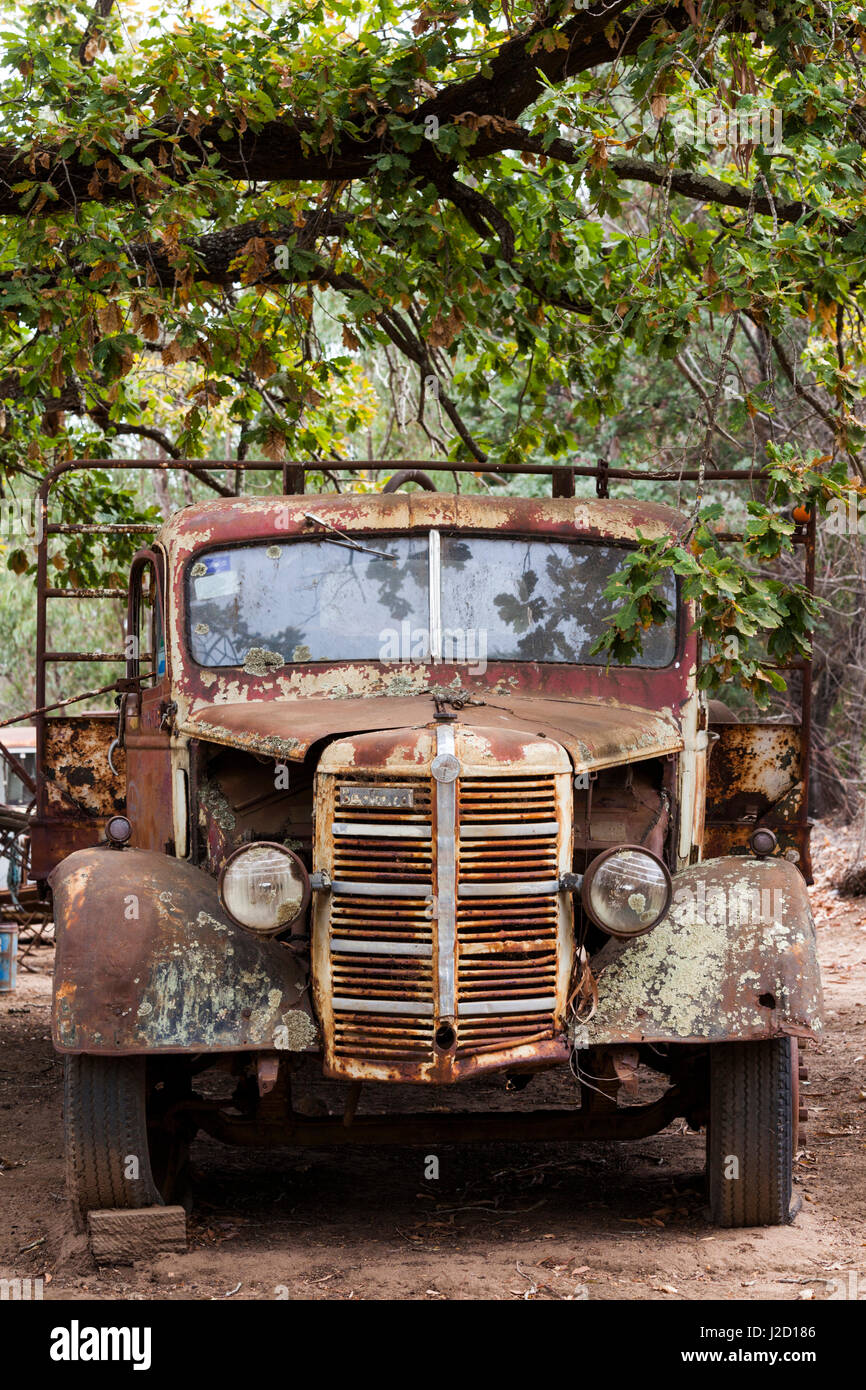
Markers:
{"x": 78, "y": 781}
{"x": 755, "y": 777}
{"x": 78, "y": 791}
{"x": 596, "y": 735}
{"x": 216, "y": 522}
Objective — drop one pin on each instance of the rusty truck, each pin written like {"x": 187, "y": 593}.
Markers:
{"x": 370, "y": 803}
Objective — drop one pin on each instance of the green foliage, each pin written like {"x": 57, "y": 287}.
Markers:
{"x": 224, "y": 221}
{"x": 748, "y": 624}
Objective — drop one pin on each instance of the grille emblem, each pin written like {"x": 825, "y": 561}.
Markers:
{"x": 445, "y": 767}
{"x": 377, "y": 796}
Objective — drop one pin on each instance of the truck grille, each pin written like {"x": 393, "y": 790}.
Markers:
{"x": 385, "y": 936}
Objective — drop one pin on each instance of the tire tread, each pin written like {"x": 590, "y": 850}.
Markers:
{"x": 105, "y": 1121}
{"x": 751, "y": 1118}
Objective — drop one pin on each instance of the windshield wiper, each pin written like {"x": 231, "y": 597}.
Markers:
{"x": 346, "y": 540}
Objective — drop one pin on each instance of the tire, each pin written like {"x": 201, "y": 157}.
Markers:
{"x": 751, "y": 1132}
{"x": 105, "y": 1115}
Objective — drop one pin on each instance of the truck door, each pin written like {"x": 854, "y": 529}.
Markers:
{"x": 146, "y": 714}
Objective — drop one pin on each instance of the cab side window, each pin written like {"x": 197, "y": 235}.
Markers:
{"x": 147, "y": 649}
{"x": 157, "y": 638}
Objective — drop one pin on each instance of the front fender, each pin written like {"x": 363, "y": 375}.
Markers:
{"x": 148, "y": 961}
{"x": 734, "y": 959}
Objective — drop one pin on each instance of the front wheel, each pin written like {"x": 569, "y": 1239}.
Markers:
{"x": 752, "y": 1132}
{"x": 114, "y": 1156}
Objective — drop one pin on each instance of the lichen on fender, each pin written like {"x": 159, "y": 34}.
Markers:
{"x": 734, "y": 958}
{"x": 297, "y": 1032}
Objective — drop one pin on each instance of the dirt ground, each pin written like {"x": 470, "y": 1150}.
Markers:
{"x": 501, "y": 1222}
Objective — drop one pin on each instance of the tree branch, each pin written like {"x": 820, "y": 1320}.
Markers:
{"x": 101, "y": 11}
{"x": 811, "y": 399}
{"x": 697, "y": 386}
{"x": 278, "y": 150}
{"x": 482, "y": 215}
{"x": 412, "y": 347}
{"x": 704, "y": 188}
{"x": 141, "y": 432}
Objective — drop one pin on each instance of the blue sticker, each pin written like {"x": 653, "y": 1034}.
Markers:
{"x": 214, "y": 564}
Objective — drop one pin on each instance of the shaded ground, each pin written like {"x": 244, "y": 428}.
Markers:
{"x": 502, "y": 1222}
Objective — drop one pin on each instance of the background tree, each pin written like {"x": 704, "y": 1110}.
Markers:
{"x": 507, "y": 234}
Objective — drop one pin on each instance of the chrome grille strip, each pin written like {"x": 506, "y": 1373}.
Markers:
{"x": 381, "y": 1006}
{"x": 382, "y": 890}
{"x": 531, "y": 888}
{"x": 512, "y": 830}
{"x": 379, "y": 948}
{"x": 446, "y": 876}
{"x": 506, "y": 1006}
{"x": 382, "y": 829}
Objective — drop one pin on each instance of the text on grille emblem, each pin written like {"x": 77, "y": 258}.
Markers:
{"x": 374, "y": 796}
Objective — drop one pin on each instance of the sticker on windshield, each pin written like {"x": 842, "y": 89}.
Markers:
{"x": 214, "y": 577}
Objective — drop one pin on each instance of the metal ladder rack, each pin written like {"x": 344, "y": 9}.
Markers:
{"x": 293, "y": 474}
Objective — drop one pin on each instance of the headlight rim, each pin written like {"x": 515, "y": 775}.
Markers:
{"x": 589, "y": 876}
{"x": 305, "y": 898}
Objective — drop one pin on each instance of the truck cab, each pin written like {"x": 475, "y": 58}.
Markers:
{"x": 373, "y": 803}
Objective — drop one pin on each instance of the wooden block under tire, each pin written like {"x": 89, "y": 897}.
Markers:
{"x": 121, "y": 1235}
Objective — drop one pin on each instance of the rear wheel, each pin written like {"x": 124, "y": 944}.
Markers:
{"x": 117, "y": 1154}
{"x": 752, "y": 1132}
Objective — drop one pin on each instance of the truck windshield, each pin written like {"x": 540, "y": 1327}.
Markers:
{"x": 322, "y": 600}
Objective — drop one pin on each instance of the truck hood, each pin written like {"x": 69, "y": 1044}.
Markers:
{"x": 595, "y": 734}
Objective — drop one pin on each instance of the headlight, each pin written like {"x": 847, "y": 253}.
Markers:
{"x": 264, "y": 887}
{"x": 626, "y": 890}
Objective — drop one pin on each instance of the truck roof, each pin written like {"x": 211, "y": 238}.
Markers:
{"x": 229, "y": 520}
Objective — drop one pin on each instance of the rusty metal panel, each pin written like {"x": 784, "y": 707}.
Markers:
{"x": 149, "y": 780}
{"x": 147, "y": 961}
{"x": 406, "y": 989}
{"x": 79, "y": 783}
{"x": 755, "y": 777}
{"x": 52, "y": 840}
{"x": 598, "y": 734}
{"x": 734, "y": 959}
{"x": 732, "y": 838}
{"x": 752, "y": 766}
{"x": 79, "y": 792}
